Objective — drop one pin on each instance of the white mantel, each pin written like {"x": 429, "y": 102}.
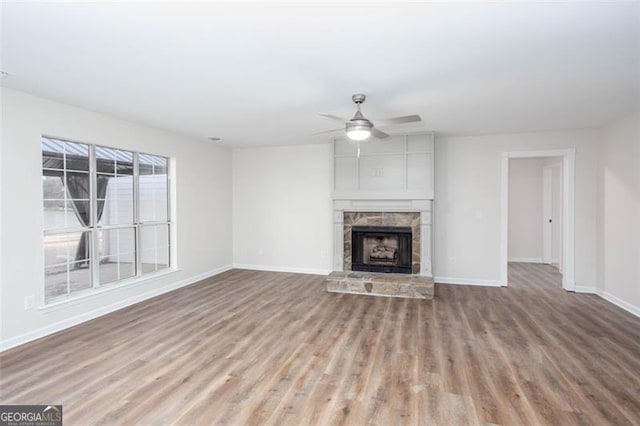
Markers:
{"x": 390, "y": 175}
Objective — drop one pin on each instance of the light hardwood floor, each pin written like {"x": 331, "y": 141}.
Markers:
{"x": 274, "y": 348}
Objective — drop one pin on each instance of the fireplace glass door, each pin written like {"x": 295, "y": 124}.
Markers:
{"x": 381, "y": 249}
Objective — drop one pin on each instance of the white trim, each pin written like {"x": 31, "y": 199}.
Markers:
{"x": 586, "y": 289}
{"x": 635, "y": 310}
{"x": 504, "y": 222}
{"x": 392, "y": 194}
{"x": 568, "y": 211}
{"x": 173, "y": 214}
{"x": 568, "y": 220}
{"x": 539, "y": 153}
{"x": 468, "y": 281}
{"x": 275, "y": 268}
{"x": 382, "y": 205}
{"x": 92, "y": 293}
{"x": 526, "y": 259}
{"x": 87, "y": 316}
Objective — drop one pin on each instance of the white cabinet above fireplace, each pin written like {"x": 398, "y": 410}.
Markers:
{"x": 399, "y": 167}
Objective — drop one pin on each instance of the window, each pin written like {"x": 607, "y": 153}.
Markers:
{"x": 106, "y": 216}
{"x": 154, "y": 213}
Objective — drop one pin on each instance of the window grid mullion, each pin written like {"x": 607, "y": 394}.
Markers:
{"x": 155, "y": 248}
{"x": 94, "y": 254}
{"x": 68, "y": 273}
{"x": 136, "y": 215}
{"x": 169, "y": 242}
{"x": 118, "y": 273}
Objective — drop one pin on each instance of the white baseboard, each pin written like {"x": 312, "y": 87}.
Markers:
{"x": 526, "y": 259}
{"x": 271, "y": 268}
{"x": 609, "y": 298}
{"x": 87, "y": 316}
{"x": 585, "y": 289}
{"x": 467, "y": 281}
{"x": 635, "y": 310}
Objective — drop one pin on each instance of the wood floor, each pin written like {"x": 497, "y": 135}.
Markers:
{"x": 251, "y": 347}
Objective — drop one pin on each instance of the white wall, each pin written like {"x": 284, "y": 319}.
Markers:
{"x": 525, "y": 210}
{"x": 282, "y": 212}
{"x": 467, "y": 202}
{"x": 619, "y": 213}
{"x": 203, "y": 183}
{"x": 275, "y": 188}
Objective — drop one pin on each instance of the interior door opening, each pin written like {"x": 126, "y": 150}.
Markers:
{"x": 537, "y": 220}
{"x": 535, "y": 211}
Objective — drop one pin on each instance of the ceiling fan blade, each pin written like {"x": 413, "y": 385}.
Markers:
{"x": 379, "y": 134}
{"x": 333, "y": 117}
{"x": 328, "y": 131}
{"x": 399, "y": 120}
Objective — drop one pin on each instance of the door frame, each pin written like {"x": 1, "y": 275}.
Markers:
{"x": 568, "y": 211}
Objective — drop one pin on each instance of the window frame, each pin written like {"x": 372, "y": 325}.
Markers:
{"x": 94, "y": 229}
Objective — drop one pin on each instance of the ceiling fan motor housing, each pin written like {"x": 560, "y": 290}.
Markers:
{"x": 359, "y": 124}
{"x": 358, "y": 98}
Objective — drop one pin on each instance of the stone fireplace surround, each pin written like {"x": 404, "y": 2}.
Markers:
{"x": 382, "y": 219}
{"x": 392, "y": 212}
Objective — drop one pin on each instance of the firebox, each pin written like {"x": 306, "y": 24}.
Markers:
{"x": 381, "y": 249}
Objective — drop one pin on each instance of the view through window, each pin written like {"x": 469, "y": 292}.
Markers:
{"x": 106, "y": 216}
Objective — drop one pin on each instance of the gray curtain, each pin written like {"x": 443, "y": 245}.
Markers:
{"x": 77, "y": 185}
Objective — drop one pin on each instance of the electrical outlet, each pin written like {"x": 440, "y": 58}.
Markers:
{"x": 323, "y": 254}
{"x": 452, "y": 260}
{"x": 29, "y": 302}
{"x": 260, "y": 252}
{"x": 378, "y": 172}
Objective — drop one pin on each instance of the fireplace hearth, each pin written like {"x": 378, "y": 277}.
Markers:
{"x": 385, "y": 249}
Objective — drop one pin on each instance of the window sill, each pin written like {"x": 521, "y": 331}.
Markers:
{"x": 93, "y": 293}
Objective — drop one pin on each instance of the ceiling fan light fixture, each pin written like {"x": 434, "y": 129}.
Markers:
{"x": 360, "y": 128}
{"x": 359, "y": 131}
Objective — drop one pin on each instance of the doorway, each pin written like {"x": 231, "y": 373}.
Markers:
{"x": 542, "y": 245}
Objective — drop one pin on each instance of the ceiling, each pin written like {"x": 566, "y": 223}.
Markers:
{"x": 259, "y": 74}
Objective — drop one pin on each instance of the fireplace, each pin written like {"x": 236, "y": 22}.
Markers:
{"x": 380, "y": 221}
{"x": 382, "y": 249}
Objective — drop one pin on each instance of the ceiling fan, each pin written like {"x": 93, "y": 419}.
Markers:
{"x": 359, "y": 128}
